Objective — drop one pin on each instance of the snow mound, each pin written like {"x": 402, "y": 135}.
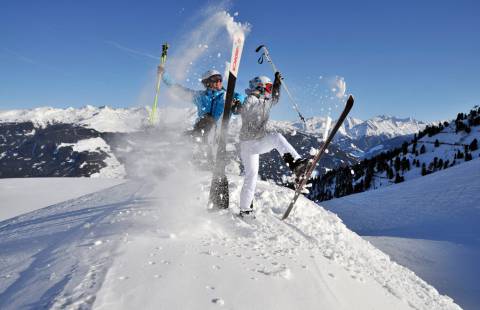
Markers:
{"x": 138, "y": 244}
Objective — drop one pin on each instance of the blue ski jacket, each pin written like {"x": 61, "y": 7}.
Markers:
{"x": 207, "y": 101}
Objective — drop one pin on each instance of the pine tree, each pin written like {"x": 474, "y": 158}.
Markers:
{"x": 424, "y": 169}
{"x": 437, "y": 143}
{"x": 422, "y": 149}
{"x": 405, "y": 148}
{"x": 445, "y": 165}
{"x": 390, "y": 174}
{"x": 397, "y": 163}
{"x": 398, "y": 178}
{"x": 440, "y": 163}
{"x": 468, "y": 156}
{"x": 473, "y": 145}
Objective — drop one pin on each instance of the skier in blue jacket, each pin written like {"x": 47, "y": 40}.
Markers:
{"x": 210, "y": 102}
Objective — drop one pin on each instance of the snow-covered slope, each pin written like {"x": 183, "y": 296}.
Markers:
{"x": 136, "y": 246}
{"x": 431, "y": 224}
{"x": 24, "y": 195}
{"x": 150, "y": 243}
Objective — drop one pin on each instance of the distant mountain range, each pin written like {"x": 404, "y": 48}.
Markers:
{"x": 69, "y": 149}
{"x": 367, "y": 138}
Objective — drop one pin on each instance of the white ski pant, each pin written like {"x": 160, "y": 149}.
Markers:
{"x": 250, "y": 153}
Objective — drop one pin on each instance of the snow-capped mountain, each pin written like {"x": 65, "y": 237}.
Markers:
{"x": 55, "y": 150}
{"x": 102, "y": 119}
{"x": 387, "y": 126}
{"x": 354, "y": 128}
{"x": 367, "y": 138}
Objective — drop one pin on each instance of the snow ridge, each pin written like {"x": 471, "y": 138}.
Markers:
{"x": 103, "y": 119}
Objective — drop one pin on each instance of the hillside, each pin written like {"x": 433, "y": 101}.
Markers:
{"x": 429, "y": 224}
{"x": 435, "y": 148}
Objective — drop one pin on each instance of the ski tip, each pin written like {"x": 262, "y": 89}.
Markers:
{"x": 351, "y": 98}
{"x": 259, "y": 48}
{"x": 350, "y": 101}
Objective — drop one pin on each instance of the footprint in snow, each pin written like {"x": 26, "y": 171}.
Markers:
{"x": 218, "y": 301}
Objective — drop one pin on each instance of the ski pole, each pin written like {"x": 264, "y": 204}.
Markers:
{"x": 266, "y": 54}
{"x": 163, "y": 59}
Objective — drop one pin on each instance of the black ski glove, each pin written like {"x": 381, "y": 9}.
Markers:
{"x": 278, "y": 76}
{"x": 236, "y": 106}
{"x": 276, "y": 86}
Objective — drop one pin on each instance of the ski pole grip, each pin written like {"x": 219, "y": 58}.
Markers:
{"x": 258, "y": 48}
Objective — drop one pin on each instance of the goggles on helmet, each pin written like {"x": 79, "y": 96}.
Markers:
{"x": 265, "y": 88}
{"x": 214, "y": 78}
{"x": 268, "y": 87}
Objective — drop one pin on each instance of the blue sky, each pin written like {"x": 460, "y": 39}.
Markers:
{"x": 402, "y": 58}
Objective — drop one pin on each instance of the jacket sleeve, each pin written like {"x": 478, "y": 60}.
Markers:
{"x": 183, "y": 92}
{"x": 276, "y": 88}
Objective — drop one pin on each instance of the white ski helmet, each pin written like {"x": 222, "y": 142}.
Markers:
{"x": 208, "y": 74}
{"x": 261, "y": 83}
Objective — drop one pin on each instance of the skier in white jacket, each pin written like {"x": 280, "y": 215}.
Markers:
{"x": 255, "y": 139}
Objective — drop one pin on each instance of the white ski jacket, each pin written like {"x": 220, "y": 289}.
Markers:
{"x": 255, "y": 113}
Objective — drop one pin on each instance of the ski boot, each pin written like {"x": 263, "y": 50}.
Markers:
{"x": 298, "y": 166}
{"x": 249, "y": 213}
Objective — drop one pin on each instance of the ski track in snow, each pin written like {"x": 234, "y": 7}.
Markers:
{"x": 151, "y": 243}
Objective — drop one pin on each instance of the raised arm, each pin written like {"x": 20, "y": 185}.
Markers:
{"x": 180, "y": 90}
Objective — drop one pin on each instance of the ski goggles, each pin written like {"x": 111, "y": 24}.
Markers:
{"x": 267, "y": 88}
{"x": 215, "y": 79}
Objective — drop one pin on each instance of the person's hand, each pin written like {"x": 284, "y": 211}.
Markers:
{"x": 236, "y": 105}
{"x": 160, "y": 70}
